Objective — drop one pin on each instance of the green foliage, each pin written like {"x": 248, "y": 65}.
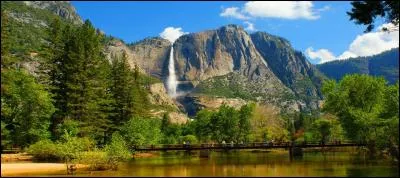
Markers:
{"x": 122, "y": 90}
{"x": 109, "y": 157}
{"x": 67, "y": 149}
{"x": 69, "y": 126}
{"x": 322, "y": 129}
{"x": 245, "y": 115}
{"x": 96, "y": 159}
{"x": 361, "y": 103}
{"x": 5, "y": 136}
{"x": 202, "y": 125}
{"x": 141, "y": 131}
{"x": 70, "y": 148}
{"x": 365, "y": 12}
{"x": 357, "y": 101}
{"x": 116, "y": 151}
{"x": 267, "y": 124}
{"x": 227, "y": 86}
{"x": 77, "y": 86}
{"x": 171, "y": 134}
{"x": 78, "y": 74}
{"x": 26, "y": 107}
{"x": 391, "y": 102}
{"x": 188, "y": 138}
{"x": 27, "y": 36}
{"x": 225, "y": 124}
{"x": 44, "y": 150}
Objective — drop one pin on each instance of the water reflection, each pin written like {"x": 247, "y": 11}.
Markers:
{"x": 253, "y": 164}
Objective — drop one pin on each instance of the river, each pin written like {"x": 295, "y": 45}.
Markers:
{"x": 247, "y": 163}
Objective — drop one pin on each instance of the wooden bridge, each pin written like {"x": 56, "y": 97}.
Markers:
{"x": 255, "y": 145}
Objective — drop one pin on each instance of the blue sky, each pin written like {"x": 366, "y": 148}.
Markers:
{"x": 326, "y": 33}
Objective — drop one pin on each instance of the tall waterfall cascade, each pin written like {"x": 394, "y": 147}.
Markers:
{"x": 171, "y": 82}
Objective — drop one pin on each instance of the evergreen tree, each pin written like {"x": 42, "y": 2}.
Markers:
{"x": 122, "y": 90}
{"x": 78, "y": 74}
{"x": 53, "y": 67}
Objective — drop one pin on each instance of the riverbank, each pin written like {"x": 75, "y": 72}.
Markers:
{"x": 18, "y": 169}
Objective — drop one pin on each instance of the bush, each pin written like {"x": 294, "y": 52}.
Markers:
{"x": 142, "y": 131}
{"x": 70, "y": 149}
{"x": 66, "y": 150}
{"x": 97, "y": 160}
{"x": 44, "y": 150}
{"x": 107, "y": 158}
{"x": 116, "y": 151}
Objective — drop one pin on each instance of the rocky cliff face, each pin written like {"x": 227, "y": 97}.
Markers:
{"x": 290, "y": 66}
{"x": 218, "y": 52}
{"x": 228, "y": 62}
{"x": 150, "y": 55}
{"x": 61, "y": 8}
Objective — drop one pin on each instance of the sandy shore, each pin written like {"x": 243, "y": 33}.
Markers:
{"x": 15, "y": 157}
{"x": 17, "y": 169}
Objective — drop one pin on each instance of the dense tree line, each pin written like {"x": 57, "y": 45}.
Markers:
{"x": 76, "y": 89}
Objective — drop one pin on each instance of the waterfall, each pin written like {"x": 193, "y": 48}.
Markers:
{"x": 172, "y": 83}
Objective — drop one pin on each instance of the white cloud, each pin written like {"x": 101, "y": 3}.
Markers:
{"x": 323, "y": 55}
{"x": 367, "y": 44}
{"x": 233, "y": 12}
{"x": 171, "y": 33}
{"x": 250, "y": 26}
{"x": 372, "y": 43}
{"x": 281, "y": 9}
{"x": 325, "y": 8}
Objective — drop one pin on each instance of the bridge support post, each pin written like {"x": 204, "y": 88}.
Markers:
{"x": 295, "y": 152}
{"x": 204, "y": 153}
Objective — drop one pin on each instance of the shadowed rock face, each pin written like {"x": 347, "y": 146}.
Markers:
{"x": 290, "y": 66}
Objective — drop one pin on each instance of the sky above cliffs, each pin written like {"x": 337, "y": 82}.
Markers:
{"x": 321, "y": 30}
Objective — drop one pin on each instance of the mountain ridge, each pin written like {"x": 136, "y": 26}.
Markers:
{"x": 383, "y": 64}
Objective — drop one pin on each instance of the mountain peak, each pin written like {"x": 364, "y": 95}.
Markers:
{"x": 231, "y": 27}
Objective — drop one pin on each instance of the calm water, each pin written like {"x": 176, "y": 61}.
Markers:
{"x": 246, "y": 163}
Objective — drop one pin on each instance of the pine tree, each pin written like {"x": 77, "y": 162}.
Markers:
{"x": 122, "y": 90}
{"x": 86, "y": 82}
{"x": 79, "y": 75}
{"x": 53, "y": 67}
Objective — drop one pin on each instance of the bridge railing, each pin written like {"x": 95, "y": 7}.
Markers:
{"x": 241, "y": 145}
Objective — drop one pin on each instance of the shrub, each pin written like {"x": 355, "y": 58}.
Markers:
{"x": 97, "y": 160}
{"x": 141, "y": 131}
{"x": 107, "y": 158}
{"x": 116, "y": 151}
{"x": 70, "y": 147}
{"x": 44, "y": 150}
